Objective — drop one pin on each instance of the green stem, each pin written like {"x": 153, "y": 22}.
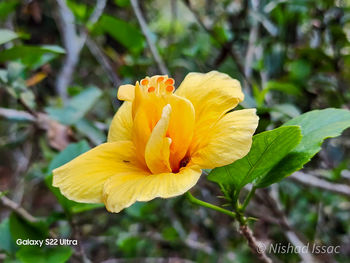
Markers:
{"x": 249, "y": 196}
{"x": 207, "y": 205}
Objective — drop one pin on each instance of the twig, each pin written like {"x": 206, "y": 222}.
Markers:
{"x": 253, "y": 244}
{"x": 77, "y": 235}
{"x": 245, "y": 230}
{"x": 72, "y": 42}
{"x": 226, "y": 46}
{"x": 103, "y": 60}
{"x": 17, "y": 208}
{"x": 313, "y": 181}
{"x": 191, "y": 243}
{"x": 253, "y": 36}
{"x": 146, "y": 32}
{"x": 16, "y": 115}
{"x": 290, "y": 233}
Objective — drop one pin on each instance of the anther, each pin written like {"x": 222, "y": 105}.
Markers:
{"x": 160, "y": 79}
{"x": 170, "y": 81}
{"x": 151, "y": 89}
{"x": 144, "y": 82}
{"x": 169, "y": 88}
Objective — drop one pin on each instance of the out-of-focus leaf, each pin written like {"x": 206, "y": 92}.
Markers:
{"x": 122, "y": 3}
{"x": 123, "y": 32}
{"x": 287, "y": 109}
{"x": 34, "y": 254}
{"x": 285, "y": 87}
{"x": 6, "y": 241}
{"x": 77, "y": 107}
{"x": 300, "y": 69}
{"x": 73, "y": 150}
{"x": 28, "y": 98}
{"x": 316, "y": 126}
{"x": 170, "y": 234}
{"x": 7, "y": 35}
{"x": 37, "y": 78}
{"x": 7, "y": 7}
{"x": 15, "y": 71}
{"x": 31, "y": 56}
{"x": 91, "y": 131}
{"x": 22, "y": 229}
{"x": 268, "y": 149}
{"x": 80, "y": 11}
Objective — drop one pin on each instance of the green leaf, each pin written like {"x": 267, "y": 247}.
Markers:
{"x": 87, "y": 128}
{"x": 316, "y": 126}
{"x": 6, "y": 241}
{"x": 7, "y": 35}
{"x": 31, "y": 56}
{"x": 268, "y": 148}
{"x": 69, "y": 153}
{"x": 77, "y": 107}
{"x": 127, "y": 35}
{"x": 22, "y": 229}
{"x": 72, "y": 150}
{"x": 32, "y": 254}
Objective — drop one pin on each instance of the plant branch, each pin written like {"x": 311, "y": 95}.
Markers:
{"x": 245, "y": 230}
{"x": 290, "y": 233}
{"x": 73, "y": 42}
{"x": 16, "y": 115}
{"x": 17, "y": 208}
{"x": 103, "y": 60}
{"x": 146, "y": 32}
{"x": 313, "y": 181}
{"x": 259, "y": 250}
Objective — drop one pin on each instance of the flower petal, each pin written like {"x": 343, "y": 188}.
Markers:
{"x": 126, "y": 92}
{"x": 121, "y": 125}
{"x": 212, "y": 94}
{"x": 229, "y": 140}
{"x": 147, "y": 110}
{"x": 157, "y": 151}
{"x": 82, "y": 179}
{"x": 122, "y": 190}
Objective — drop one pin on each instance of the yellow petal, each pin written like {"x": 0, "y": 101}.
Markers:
{"x": 212, "y": 94}
{"x": 148, "y": 110}
{"x": 126, "y": 92}
{"x": 121, "y": 125}
{"x": 181, "y": 128}
{"x": 82, "y": 179}
{"x": 121, "y": 191}
{"x": 157, "y": 151}
{"x": 229, "y": 140}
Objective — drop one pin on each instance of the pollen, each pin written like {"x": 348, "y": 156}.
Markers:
{"x": 169, "y": 88}
{"x": 151, "y": 89}
{"x": 144, "y": 82}
{"x": 160, "y": 79}
{"x": 170, "y": 81}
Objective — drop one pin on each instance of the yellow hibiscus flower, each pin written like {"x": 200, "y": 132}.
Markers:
{"x": 159, "y": 141}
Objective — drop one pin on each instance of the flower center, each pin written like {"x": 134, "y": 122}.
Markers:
{"x": 160, "y": 85}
